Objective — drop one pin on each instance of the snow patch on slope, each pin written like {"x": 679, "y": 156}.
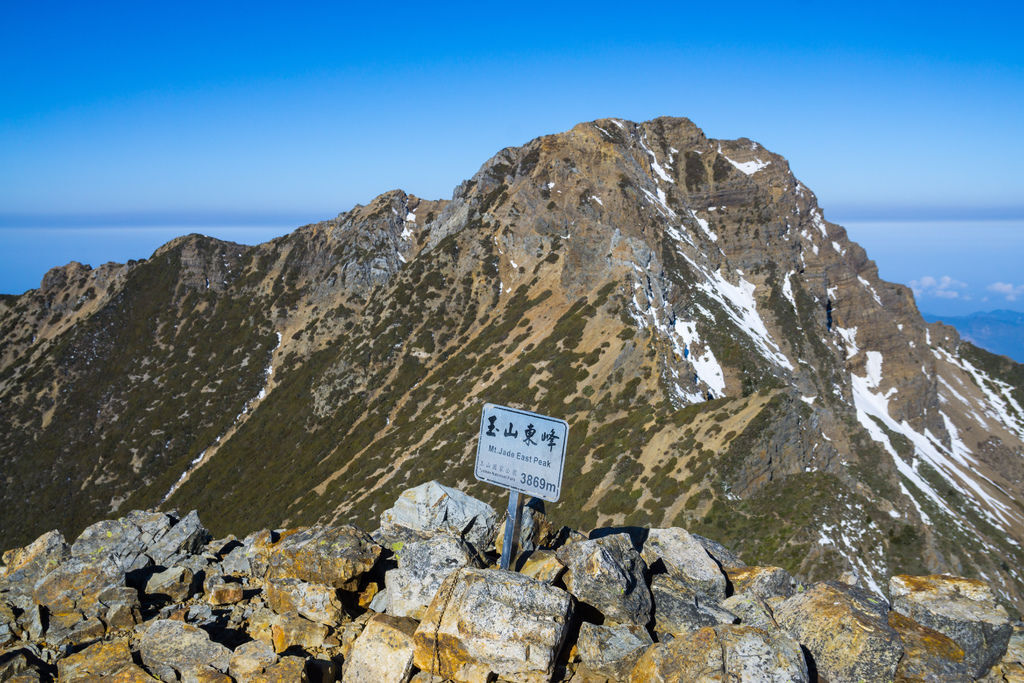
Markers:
{"x": 748, "y": 167}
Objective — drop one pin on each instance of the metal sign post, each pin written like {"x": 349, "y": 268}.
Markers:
{"x": 525, "y": 453}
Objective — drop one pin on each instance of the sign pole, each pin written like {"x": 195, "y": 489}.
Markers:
{"x": 513, "y": 520}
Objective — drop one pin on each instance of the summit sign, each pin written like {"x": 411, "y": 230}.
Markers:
{"x": 521, "y": 451}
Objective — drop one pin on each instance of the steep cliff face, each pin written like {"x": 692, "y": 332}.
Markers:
{"x": 726, "y": 358}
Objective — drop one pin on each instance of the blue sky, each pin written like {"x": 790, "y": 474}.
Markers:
{"x": 149, "y": 119}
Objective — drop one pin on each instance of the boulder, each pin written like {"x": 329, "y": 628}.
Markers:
{"x": 608, "y": 574}
{"x": 431, "y": 509}
{"x": 99, "y": 661}
{"x": 170, "y": 648}
{"x": 290, "y": 669}
{"x": 221, "y": 591}
{"x": 22, "y": 567}
{"x": 542, "y": 565}
{"x": 724, "y": 653}
{"x": 290, "y": 629}
{"x": 140, "y": 539}
{"x": 927, "y": 654}
{"x": 251, "y": 658}
{"x": 965, "y": 610}
{"x": 176, "y": 584}
{"x": 751, "y": 610}
{"x": 332, "y": 556}
{"x": 679, "y": 609}
{"x": 383, "y": 652}
{"x": 845, "y": 629}
{"x": 764, "y": 582}
{"x": 611, "y": 651}
{"x": 485, "y": 622}
{"x": 685, "y": 560}
{"x": 120, "y": 607}
{"x": 70, "y": 592}
{"x": 719, "y": 553}
{"x": 422, "y": 567}
{"x": 314, "y": 601}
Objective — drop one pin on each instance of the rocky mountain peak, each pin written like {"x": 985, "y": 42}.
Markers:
{"x": 728, "y": 360}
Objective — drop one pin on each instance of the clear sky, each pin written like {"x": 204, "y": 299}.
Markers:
{"x": 153, "y": 119}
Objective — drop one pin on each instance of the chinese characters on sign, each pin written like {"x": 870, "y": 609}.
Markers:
{"x": 522, "y": 451}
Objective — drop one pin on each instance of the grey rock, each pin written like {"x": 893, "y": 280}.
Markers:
{"x": 752, "y": 611}
{"x": 383, "y": 652}
{"x": 237, "y": 562}
{"x": 422, "y": 567}
{"x": 185, "y": 538}
{"x": 432, "y": 508}
{"x": 121, "y": 607}
{"x": 490, "y": 622}
{"x": 176, "y": 584}
{"x": 724, "y": 653}
{"x": 764, "y": 582}
{"x": 23, "y": 566}
{"x": 685, "y": 560}
{"x": 609, "y": 575}
{"x": 719, "y": 553}
{"x": 823, "y": 618}
{"x": 181, "y": 647}
{"x": 314, "y": 601}
{"x": 679, "y": 609}
{"x": 251, "y": 658}
{"x": 333, "y": 556}
{"x": 965, "y": 610}
{"x": 611, "y": 651}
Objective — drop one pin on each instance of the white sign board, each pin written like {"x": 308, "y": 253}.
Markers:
{"x": 522, "y": 451}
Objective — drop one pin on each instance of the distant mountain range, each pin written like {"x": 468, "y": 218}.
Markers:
{"x": 999, "y": 331}
{"x": 727, "y": 359}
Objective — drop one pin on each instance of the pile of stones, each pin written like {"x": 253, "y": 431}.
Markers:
{"x": 153, "y": 596}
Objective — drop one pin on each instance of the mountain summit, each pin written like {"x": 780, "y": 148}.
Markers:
{"x": 727, "y": 359}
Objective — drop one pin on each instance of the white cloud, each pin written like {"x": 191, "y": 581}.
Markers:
{"x": 944, "y": 287}
{"x": 1010, "y": 291}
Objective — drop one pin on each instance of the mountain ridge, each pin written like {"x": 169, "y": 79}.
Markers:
{"x": 617, "y": 275}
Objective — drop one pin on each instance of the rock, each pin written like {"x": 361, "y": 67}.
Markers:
{"x": 927, "y": 654}
{"x": 422, "y": 567}
{"x": 1011, "y": 667}
{"x": 287, "y": 670}
{"x": 176, "y": 584}
{"x": 251, "y": 658}
{"x": 963, "y": 609}
{"x": 17, "y": 662}
{"x": 764, "y": 582}
{"x": 611, "y": 651}
{"x": 333, "y": 556}
{"x": 752, "y": 611}
{"x": 608, "y": 574}
{"x": 685, "y": 560}
{"x": 184, "y": 538}
{"x": 487, "y": 621}
{"x": 290, "y": 630}
{"x": 23, "y": 566}
{"x": 122, "y": 607}
{"x": 679, "y": 609}
{"x": 98, "y": 661}
{"x": 542, "y": 565}
{"x": 205, "y": 674}
{"x": 85, "y": 631}
{"x": 383, "y": 652}
{"x": 181, "y": 648}
{"x": 314, "y": 601}
{"x": 431, "y": 509}
{"x": 220, "y": 591}
{"x": 237, "y": 562}
{"x": 70, "y": 592}
{"x": 31, "y": 622}
{"x": 141, "y": 539}
{"x": 845, "y": 629}
{"x": 724, "y": 653}
{"x": 719, "y": 553}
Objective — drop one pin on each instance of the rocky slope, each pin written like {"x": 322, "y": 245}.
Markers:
{"x": 726, "y": 358}
{"x": 151, "y": 595}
